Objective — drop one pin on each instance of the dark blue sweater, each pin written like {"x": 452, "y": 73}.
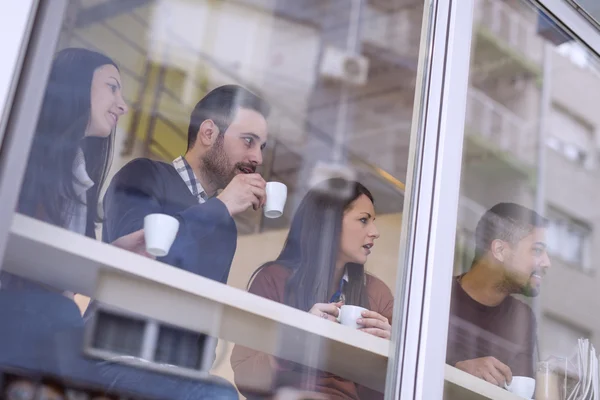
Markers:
{"x": 207, "y": 237}
{"x": 41, "y": 331}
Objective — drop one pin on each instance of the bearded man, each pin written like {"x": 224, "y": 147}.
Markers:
{"x": 226, "y": 136}
{"x": 492, "y": 335}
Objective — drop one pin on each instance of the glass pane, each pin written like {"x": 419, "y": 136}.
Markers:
{"x": 522, "y": 308}
{"x": 250, "y": 154}
{"x": 591, "y": 7}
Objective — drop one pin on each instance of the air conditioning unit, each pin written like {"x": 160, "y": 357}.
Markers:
{"x": 342, "y": 66}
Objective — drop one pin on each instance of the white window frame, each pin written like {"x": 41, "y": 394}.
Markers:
{"x": 36, "y": 41}
{"x": 16, "y": 20}
{"x": 431, "y": 203}
{"x": 428, "y": 240}
{"x": 416, "y": 365}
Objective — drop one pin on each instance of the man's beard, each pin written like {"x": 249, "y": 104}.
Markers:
{"x": 217, "y": 165}
{"x": 513, "y": 285}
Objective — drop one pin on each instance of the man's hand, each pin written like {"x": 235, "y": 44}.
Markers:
{"x": 487, "y": 368}
{"x": 134, "y": 242}
{"x": 375, "y": 324}
{"x": 244, "y": 191}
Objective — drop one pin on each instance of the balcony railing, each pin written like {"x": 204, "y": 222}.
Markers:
{"x": 510, "y": 26}
{"x": 500, "y": 127}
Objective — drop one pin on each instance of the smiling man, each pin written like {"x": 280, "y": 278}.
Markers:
{"x": 491, "y": 333}
{"x": 226, "y": 136}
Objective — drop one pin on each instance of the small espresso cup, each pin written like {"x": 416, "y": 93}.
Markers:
{"x": 160, "y": 231}
{"x": 349, "y": 314}
{"x": 276, "y": 197}
{"x": 522, "y": 386}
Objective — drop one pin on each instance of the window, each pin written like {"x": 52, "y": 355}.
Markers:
{"x": 569, "y": 150}
{"x": 118, "y": 334}
{"x": 569, "y": 239}
{"x": 136, "y": 72}
{"x": 550, "y": 305}
{"x": 571, "y": 137}
{"x": 590, "y": 7}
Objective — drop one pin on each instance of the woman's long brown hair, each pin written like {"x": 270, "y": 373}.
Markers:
{"x": 312, "y": 246}
{"x": 47, "y": 190}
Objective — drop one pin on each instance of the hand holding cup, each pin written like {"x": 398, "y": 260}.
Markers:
{"x": 276, "y": 197}
{"x": 160, "y": 231}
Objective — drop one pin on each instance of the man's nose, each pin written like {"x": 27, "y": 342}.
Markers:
{"x": 546, "y": 261}
{"x": 257, "y": 157}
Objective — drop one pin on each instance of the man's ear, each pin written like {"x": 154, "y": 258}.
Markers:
{"x": 207, "y": 133}
{"x": 498, "y": 249}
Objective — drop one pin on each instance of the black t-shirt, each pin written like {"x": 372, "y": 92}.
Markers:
{"x": 506, "y": 332}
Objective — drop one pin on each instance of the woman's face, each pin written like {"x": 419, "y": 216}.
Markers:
{"x": 358, "y": 231}
{"x": 107, "y": 103}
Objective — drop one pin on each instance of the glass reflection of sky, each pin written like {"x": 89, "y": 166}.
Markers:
{"x": 592, "y": 7}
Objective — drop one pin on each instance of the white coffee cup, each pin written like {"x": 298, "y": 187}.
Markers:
{"x": 349, "y": 314}
{"x": 522, "y": 386}
{"x": 276, "y": 197}
{"x": 160, "y": 231}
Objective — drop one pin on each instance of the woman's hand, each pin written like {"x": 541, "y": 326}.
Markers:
{"x": 134, "y": 242}
{"x": 375, "y": 324}
{"x": 328, "y": 311}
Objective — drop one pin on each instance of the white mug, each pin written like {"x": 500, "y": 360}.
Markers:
{"x": 522, "y": 386}
{"x": 349, "y": 314}
{"x": 276, "y": 197}
{"x": 160, "y": 231}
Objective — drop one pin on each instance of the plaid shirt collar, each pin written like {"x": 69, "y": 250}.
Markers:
{"x": 187, "y": 174}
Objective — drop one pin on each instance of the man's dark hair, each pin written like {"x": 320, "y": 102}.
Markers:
{"x": 220, "y": 106}
{"x": 509, "y": 222}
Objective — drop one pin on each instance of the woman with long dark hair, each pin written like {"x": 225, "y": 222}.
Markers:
{"x": 320, "y": 268}
{"x": 72, "y": 147}
{"x": 71, "y": 151}
{"x": 42, "y": 330}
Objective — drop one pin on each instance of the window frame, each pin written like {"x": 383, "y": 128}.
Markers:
{"x": 38, "y": 41}
{"x": 416, "y": 364}
{"x": 435, "y": 305}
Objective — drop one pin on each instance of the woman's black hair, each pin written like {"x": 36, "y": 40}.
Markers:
{"x": 312, "y": 246}
{"x": 47, "y": 190}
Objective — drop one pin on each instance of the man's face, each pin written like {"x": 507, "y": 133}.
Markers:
{"x": 526, "y": 264}
{"x": 239, "y": 150}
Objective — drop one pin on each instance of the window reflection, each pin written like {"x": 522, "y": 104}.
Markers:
{"x": 324, "y": 275}
{"x": 523, "y": 286}
{"x": 183, "y": 112}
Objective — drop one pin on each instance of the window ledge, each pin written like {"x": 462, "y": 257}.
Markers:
{"x": 459, "y": 385}
{"x": 118, "y": 278}
{"x": 68, "y": 261}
